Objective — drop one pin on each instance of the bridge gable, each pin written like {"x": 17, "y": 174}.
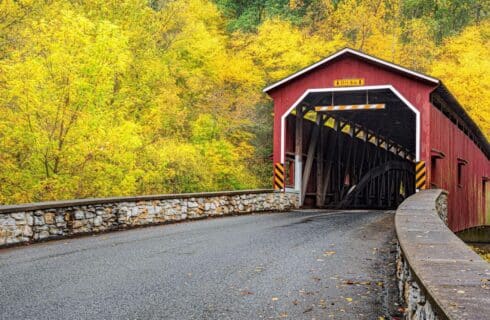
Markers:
{"x": 350, "y": 64}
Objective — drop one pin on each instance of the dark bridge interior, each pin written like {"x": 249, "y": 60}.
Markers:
{"x": 351, "y": 158}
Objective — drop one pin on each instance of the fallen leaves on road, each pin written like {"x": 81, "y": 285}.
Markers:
{"x": 275, "y": 298}
{"x": 308, "y": 310}
{"x": 246, "y": 292}
{"x": 348, "y": 299}
{"x": 485, "y": 283}
{"x": 329, "y": 253}
{"x": 323, "y": 304}
{"x": 351, "y": 282}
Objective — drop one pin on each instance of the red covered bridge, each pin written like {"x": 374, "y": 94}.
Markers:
{"x": 354, "y": 131}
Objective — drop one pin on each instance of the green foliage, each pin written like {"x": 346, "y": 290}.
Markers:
{"x": 101, "y": 98}
{"x": 446, "y": 17}
{"x": 247, "y": 15}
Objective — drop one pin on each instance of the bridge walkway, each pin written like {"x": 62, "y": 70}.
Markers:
{"x": 313, "y": 264}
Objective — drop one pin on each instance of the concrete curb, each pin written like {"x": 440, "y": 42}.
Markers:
{"x": 440, "y": 277}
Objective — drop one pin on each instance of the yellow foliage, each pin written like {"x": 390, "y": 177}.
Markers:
{"x": 279, "y": 48}
{"x": 101, "y": 98}
{"x": 463, "y": 65}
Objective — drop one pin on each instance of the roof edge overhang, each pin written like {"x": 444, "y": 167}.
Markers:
{"x": 458, "y": 109}
{"x": 362, "y": 55}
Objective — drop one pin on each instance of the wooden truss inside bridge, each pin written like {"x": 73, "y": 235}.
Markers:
{"x": 358, "y": 155}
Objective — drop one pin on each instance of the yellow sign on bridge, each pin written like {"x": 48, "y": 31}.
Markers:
{"x": 348, "y": 82}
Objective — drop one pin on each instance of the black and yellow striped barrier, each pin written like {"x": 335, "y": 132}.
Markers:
{"x": 351, "y": 107}
{"x": 278, "y": 176}
{"x": 420, "y": 175}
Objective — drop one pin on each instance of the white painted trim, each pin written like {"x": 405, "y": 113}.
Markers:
{"x": 356, "y": 53}
{"x": 345, "y": 89}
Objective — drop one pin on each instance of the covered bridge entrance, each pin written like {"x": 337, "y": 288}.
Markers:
{"x": 354, "y": 131}
{"x": 353, "y": 146}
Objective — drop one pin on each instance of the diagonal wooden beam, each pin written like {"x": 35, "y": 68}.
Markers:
{"x": 331, "y": 148}
{"x": 311, "y": 154}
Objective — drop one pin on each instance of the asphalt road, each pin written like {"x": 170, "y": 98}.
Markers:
{"x": 296, "y": 265}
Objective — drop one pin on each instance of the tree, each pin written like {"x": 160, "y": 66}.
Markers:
{"x": 102, "y": 98}
{"x": 463, "y": 65}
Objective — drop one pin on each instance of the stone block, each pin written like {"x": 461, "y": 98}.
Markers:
{"x": 49, "y": 218}
{"x": 18, "y": 215}
{"x": 54, "y": 231}
{"x": 38, "y": 213}
{"x": 43, "y": 235}
{"x": 43, "y": 227}
{"x": 27, "y": 231}
{"x": 89, "y": 214}
{"x": 30, "y": 219}
{"x": 38, "y": 220}
{"x": 79, "y": 215}
{"x": 133, "y": 212}
{"x": 78, "y": 224}
{"x": 97, "y": 221}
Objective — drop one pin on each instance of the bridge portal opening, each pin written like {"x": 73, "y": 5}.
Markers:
{"x": 351, "y": 147}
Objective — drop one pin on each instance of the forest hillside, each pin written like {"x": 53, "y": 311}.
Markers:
{"x": 104, "y": 98}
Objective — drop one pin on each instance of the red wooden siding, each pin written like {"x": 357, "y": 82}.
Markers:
{"x": 466, "y": 207}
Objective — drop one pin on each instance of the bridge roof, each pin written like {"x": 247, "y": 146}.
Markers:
{"x": 358, "y": 54}
{"x": 479, "y": 138}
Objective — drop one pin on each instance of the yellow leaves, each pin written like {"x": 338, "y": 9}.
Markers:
{"x": 134, "y": 81}
{"x": 462, "y": 65}
{"x": 348, "y": 299}
{"x": 418, "y": 50}
{"x": 167, "y": 100}
{"x": 279, "y": 48}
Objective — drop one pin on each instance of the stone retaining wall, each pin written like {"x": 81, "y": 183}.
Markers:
{"x": 50, "y": 220}
{"x": 439, "y": 277}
